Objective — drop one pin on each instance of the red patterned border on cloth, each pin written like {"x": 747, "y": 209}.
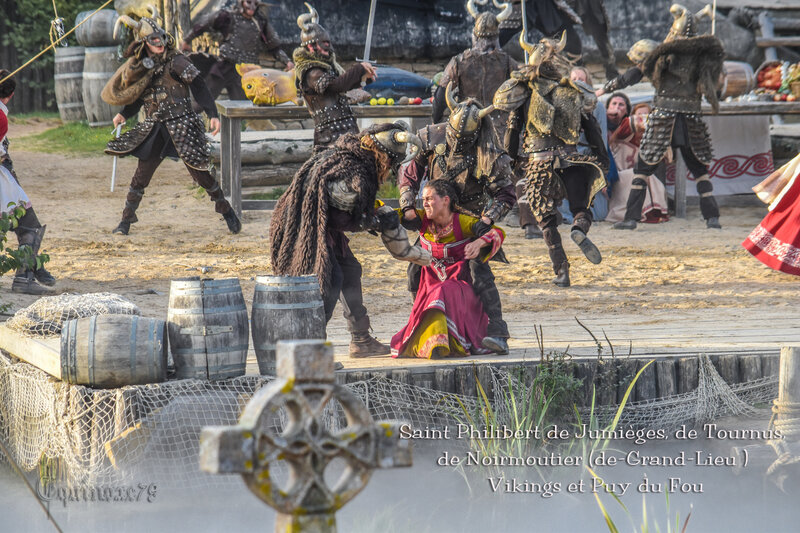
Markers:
{"x": 732, "y": 166}
{"x": 772, "y": 252}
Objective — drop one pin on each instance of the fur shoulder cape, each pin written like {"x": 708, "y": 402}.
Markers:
{"x": 299, "y": 226}
{"x": 698, "y": 60}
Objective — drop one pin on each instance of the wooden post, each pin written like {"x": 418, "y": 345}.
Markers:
{"x": 184, "y": 18}
{"x": 789, "y": 383}
{"x": 680, "y": 185}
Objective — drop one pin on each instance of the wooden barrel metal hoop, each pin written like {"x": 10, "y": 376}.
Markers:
{"x": 285, "y": 308}
{"x": 68, "y": 79}
{"x": 208, "y": 328}
{"x": 93, "y": 351}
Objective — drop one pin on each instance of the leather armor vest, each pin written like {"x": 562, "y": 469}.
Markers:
{"x": 244, "y": 41}
{"x": 332, "y": 115}
{"x": 166, "y": 97}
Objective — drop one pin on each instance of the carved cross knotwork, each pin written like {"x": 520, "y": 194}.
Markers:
{"x": 304, "y": 421}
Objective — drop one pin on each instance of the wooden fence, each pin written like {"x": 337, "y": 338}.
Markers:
{"x": 35, "y": 86}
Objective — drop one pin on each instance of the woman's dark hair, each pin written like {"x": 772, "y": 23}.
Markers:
{"x": 444, "y": 188}
{"x": 7, "y": 87}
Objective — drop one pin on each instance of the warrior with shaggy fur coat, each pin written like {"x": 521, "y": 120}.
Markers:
{"x": 334, "y": 192}
{"x": 683, "y": 69}
{"x": 541, "y": 99}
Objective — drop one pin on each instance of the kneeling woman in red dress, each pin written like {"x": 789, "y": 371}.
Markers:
{"x": 776, "y": 241}
{"x": 447, "y": 318}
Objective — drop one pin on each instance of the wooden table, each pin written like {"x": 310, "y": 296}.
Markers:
{"x": 232, "y": 112}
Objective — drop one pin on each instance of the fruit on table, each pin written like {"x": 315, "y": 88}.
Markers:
{"x": 390, "y": 101}
{"x": 417, "y": 100}
{"x": 381, "y": 101}
{"x": 373, "y": 101}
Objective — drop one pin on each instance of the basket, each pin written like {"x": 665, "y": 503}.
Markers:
{"x": 763, "y": 66}
{"x": 795, "y": 87}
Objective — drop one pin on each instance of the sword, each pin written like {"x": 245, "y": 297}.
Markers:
{"x": 525, "y": 27}
{"x": 116, "y": 132}
{"x": 370, "y": 24}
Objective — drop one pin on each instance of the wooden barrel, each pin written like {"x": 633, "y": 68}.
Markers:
{"x": 69, "y": 83}
{"x": 285, "y": 308}
{"x": 737, "y": 78}
{"x": 108, "y": 351}
{"x": 98, "y": 67}
{"x": 208, "y": 328}
{"x": 98, "y": 30}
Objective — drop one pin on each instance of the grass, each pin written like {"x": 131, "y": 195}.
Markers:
{"x": 36, "y": 116}
{"x": 75, "y": 138}
{"x": 274, "y": 194}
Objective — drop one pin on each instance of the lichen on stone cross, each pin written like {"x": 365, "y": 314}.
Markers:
{"x": 304, "y": 421}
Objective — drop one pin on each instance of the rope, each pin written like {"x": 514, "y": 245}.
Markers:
{"x": 37, "y": 56}
{"x": 787, "y": 418}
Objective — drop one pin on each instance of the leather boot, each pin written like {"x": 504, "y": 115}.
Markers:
{"x": 365, "y": 345}
{"x": 636, "y": 198}
{"x": 580, "y": 227}
{"x": 122, "y": 228}
{"x": 562, "y": 275}
{"x": 532, "y": 231}
{"x": 44, "y": 277}
{"x": 234, "y": 224}
{"x": 25, "y": 283}
{"x": 708, "y": 204}
{"x": 559, "y": 259}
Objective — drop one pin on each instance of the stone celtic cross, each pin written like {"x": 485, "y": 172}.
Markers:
{"x": 293, "y": 421}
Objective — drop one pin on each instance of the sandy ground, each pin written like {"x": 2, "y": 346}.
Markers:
{"x": 678, "y": 276}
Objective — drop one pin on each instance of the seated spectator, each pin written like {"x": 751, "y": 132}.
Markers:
{"x": 624, "y": 144}
{"x": 618, "y": 107}
{"x": 447, "y": 318}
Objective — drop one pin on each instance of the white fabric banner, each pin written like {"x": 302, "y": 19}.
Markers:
{"x": 742, "y": 155}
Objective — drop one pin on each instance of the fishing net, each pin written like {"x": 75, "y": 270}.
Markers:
{"x": 47, "y": 315}
{"x": 125, "y": 433}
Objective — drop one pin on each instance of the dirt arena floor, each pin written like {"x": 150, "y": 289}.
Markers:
{"x": 673, "y": 286}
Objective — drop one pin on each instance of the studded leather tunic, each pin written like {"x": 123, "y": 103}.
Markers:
{"x": 242, "y": 38}
{"x": 167, "y": 104}
{"x": 323, "y": 91}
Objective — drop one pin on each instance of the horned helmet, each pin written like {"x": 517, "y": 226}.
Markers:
{"x": 487, "y": 24}
{"x": 247, "y": 4}
{"x": 146, "y": 29}
{"x": 464, "y": 124}
{"x": 685, "y": 24}
{"x": 312, "y": 32}
{"x": 641, "y": 49}
{"x": 544, "y": 50}
{"x": 394, "y": 142}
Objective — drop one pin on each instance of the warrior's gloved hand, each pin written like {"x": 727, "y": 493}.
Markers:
{"x": 412, "y": 224}
{"x": 480, "y": 228}
{"x": 388, "y": 219}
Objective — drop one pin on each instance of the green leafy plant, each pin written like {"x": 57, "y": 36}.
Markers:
{"x": 14, "y": 258}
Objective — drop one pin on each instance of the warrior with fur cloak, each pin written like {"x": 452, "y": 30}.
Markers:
{"x": 162, "y": 81}
{"x": 246, "y": 31}
{"x": 683, "y": 69}
{"x": 547, "y": 109}
{"x": 463, "y": 152}
{"x": 335, "y": 192}
{"x": 322, "y": 82}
